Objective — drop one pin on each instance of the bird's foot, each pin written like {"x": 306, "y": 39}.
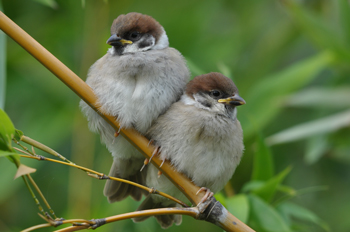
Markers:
{"x": 205, "y": 201}
{"x": 116, "y": 134}
{"x": 151, "y": 142}
{"x": 147, "y": 161}
{"x": 159, "y": 173}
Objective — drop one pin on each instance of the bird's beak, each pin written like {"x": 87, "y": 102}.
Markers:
{"x": 235, "y": 100}
{"x": 114, "y": 40}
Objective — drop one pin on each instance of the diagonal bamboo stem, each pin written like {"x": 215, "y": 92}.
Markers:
{"x": 228, "y": 222}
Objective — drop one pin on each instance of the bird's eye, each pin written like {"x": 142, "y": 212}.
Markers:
{"x": 134, "y": 35}
{"x": 215, "y": 93}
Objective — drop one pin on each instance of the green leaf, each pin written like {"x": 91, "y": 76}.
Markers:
{"x": 314, "y": 27}
{"x": 291, "y": 210}
{"x": 315, "y": 148}
{"x": 344, "y": 13}
{"x": 263, "y": 163}
{"x": 290, "y": 192}
{"x": 50, "y": 3}
{"x": 264, "y": 101}
{"x": 238, "y": 205}
{"x": 266, "y": 217}
{"x": 18, "y": 135}
{"x": 7, "y": 130}
{"x": 320, "y": 97}
{"x": 12, "y": 156}
{"x": 7, "y": 153}
{"x": 268, "y": 190}
{"x": 316, "y": 127}
{"x": 252, "y": 185}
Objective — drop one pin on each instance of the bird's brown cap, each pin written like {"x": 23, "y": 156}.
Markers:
{"x": 209, "y": 82}
{"x": 136, "y": 22}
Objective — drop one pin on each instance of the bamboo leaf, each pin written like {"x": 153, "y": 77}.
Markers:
{"x": 238, "y": 206}
{"x": 50, "y": 3}
{"x": 291, "y": 210}
{"x": 267, "y": 218}
{"x": 18, "y": 135}
{"x": 320, "y": 97}
{"x": 7, "y": 153}
{"x": 316, "y": 127}
{"x": 323, "y": 36}
{"x": 263, "y": 168}
{"x": 268, "y": 190}
{"x": 315, "y": 148}
{"x": 264, "y": 98}
{"x": 344, "y": 14}
{"x": 7, "y": 130}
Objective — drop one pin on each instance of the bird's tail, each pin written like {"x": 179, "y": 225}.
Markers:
{"x": 126, "y": 169}
{"x": 165, "y": 221}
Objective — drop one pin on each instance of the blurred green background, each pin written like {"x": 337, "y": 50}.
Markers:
{"x": 289, "y": 59}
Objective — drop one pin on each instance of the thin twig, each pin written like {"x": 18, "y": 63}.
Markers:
{"x": 42, "y": 196}
{"x": 103, "y": 176}
{"x": 37, "y": 202}
{"x": 193, "y": 212}
{"x": 70, "y": 221}
{"x": 79, "y": 223}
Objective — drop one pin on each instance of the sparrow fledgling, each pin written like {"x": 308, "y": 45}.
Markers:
{"x": 136, "y": 81}
{"x": 202, "y": 138}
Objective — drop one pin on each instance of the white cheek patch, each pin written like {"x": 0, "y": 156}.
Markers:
{"x": 187, "y": 100}
{"x": 163, "y": 41}
{"x": 195, "y": 102}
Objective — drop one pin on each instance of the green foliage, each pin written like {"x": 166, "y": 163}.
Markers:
{"x": 266, "y": 218}
{"x": 264, "y": 202}
{"x": 264, "y": 97}
{"x": 239, "y": 206}
{"x": 269, "y": 188}
{"x": 7, "y": 132}
{"x": 263, "y": 168}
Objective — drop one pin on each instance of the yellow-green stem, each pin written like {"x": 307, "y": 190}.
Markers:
{"x": 103, "y": 176}
{"x": 42, "y": 196}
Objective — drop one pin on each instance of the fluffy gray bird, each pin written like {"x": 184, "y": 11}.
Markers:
{"x": 136, "y": 81}
{"x": 201, "y": 136}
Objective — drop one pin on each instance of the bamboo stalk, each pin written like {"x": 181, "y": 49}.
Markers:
{"x": 229, "y": 223}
